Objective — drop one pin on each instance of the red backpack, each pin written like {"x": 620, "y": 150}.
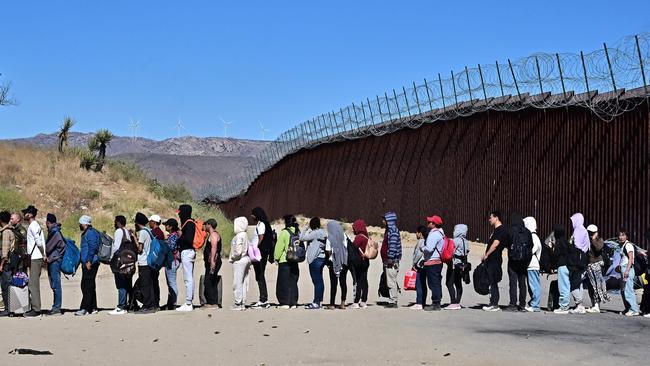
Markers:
{"x": 448, "y": 248}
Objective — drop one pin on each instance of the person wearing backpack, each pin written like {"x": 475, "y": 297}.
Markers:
{"x": 265, "y": 244}
{"x": 561, "y": 251}
{"x": 288, "y": 272}
{"x": 123, "y": 283}
{"x": 493, "y": 258}
{"x": 519, "y": 257}
{"x": 577, "y": 261}
{"x": 456, "y": 269}
{"x": 338, "y": 268}
{"x": 144, "y": 284}
{"x": 360, "y": 271}
{"x": 597, "y": 288}
{"x": 36, "y": 253}
{"x": 171, "y": 226}
{"x": 432, "y": 260}
{"x": 7, "y": 242}
{"x": 626, "y": 269}
{"x": 156, "y": 231}
{"x": 391, "y": 254}
{"x": 241, "y": 262}
{"x": 317, "y": 240}
{"x": 54, "y": 249}
{"x": 89, "y": 266}
{"x": 185, "y": 245}
{"x": 534, "y": 285}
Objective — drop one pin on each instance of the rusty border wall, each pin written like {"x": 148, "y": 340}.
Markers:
{"x": 547, "y": 163}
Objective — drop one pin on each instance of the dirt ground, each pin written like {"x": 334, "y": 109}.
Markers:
{"x": 327, "y": 337}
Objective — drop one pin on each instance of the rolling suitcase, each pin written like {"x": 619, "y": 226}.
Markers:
{"x": 19, "y": 300}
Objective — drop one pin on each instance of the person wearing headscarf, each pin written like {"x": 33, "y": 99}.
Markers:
{"x": 288, "y": 272}
{"x": 338, "y": 268}
{"x": 578, "y": 261}
{"x": 264, "y": 241}
{"x": 391, "y": 254}
{"x": 597, "y": 288}
{"x": 360, "y": 270}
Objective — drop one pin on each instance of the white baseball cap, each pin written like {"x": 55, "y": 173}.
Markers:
{"x": 592, "y": 228}
{"x": 155, "y": 218}
{"x": 85, "y": 220}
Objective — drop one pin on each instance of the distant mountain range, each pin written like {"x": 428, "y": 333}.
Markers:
{"x": 194, "y": 161}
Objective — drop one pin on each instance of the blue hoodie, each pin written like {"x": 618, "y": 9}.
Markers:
{"x": 90, "y": 246}
{"x": 392, "y": 238}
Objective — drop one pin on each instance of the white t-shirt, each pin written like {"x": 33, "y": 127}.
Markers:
{"x": 627, "y": 247}
{"x": 117, "y": 242}
{"x": 144, "y": 238}
{"x": 36, "y": 237}
{"x": 260, "y": 229}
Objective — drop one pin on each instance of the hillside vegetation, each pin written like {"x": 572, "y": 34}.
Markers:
{"x": 55, "y": 183}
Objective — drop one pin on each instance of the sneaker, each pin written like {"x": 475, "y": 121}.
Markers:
{"x": 293, "y": 307}
{"x": 363, "y": 305}
{"x": 185, "y": 308}
{"x": 646, "y": 315}
{"x": 355, "y": 306}
{"x": 391, "y": 306}
{"x": 491, "y": 308}
{"x": 55, "y": 312}
{"x": 594, "y": 309}
{"x": 95, "y": 311}
{"x": 284, "y": 307}
{"x": 261, "y": 305}
{"x": 238, "y": 307}
{"x": 4, "y": 313}
{"x": 33, "y": 314}
{"x": 453, "y": 307}
{"x": 144, "y": 311}
{"x": 81, "y": 312}
{"x": 117, "y": 311}
{"x": 578, "y": 310}
{"x": 531, "y": 309}
{"x": 415, "y": 307}
{"x": 632, "y": 313}
{"x": 312, "y": 306}
{"x": 511, "y": 308}
{"x": 561, "y": 311}
{"x": 433, "y": 307}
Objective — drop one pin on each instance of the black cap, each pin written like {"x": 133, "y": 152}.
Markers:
{"x": 30, "y": 209}
{"x": 171, "y": 222}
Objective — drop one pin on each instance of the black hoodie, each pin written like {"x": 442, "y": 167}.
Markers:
{"x": 188, "y": 229}
{"x": 561, "y": 244}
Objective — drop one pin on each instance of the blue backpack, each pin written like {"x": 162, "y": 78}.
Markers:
{"x": 159, "y": 254}
{"x": 71, "y": 258}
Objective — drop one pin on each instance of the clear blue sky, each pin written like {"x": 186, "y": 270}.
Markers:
{"x": 274, "y": 62}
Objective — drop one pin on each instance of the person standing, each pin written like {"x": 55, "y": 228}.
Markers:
{"x": 55, "y": 249}
{"x": 391, "y": 254}
{"x": 171, "y": 226}
{"x": 421, "y": 234}
{"x": 360, "y": 271}
{"x": 432, "y": 260}
{"x": 626, "y": 268}
{"x": 241, "y": 263}
{"x": 288, "y": 272}
{"x": 36, "y": 251}
{"x": 597, "y": 287}
{"x": 185, "y": 245}
{"x": 316, "y": 239}
{"x": 493, "y": 258}
{"x": 456, "y": 269}
{"x": 156, "y": 231}
{"x": 561, "y": 251}
{"x": 212, "y": 261}
{"x": 338, "y": 268}
{"x": 534, "y": 285}
{"x": 264, "y": 242}
{"x": 577, "y": 261}
{"x": 521, "y": 244}
{"x": 7, "y": 241}
{"x": 144, "y": 283}
{"x": 123, "y": 282}
{"x": 89, "y": 264}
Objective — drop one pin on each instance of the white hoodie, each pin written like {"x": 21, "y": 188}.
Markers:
{"x": 531, "y": 225}
{"x": 239, "y": 244}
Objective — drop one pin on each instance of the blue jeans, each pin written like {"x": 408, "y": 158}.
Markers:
{"x": 124, "y": 285}
{"x": 54, "y": 273}
{"x": 627, "y": 290}
{"x": 172, "y": 287}
{"x": 534, "y": 288}
{"x": 564, "y": 286}
{"x": 434, "y": 279}
{"x": 316, "y": 273}
{"x": 421, "y": 288}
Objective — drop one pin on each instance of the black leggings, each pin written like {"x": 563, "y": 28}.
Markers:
{"x": 360, "y": 275}
{"x": 335, "y": 281}
{"x": 259, "y": 268}
{"x": 454, "y": 282}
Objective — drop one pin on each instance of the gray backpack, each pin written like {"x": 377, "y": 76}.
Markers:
{"x": 105, "y": 248}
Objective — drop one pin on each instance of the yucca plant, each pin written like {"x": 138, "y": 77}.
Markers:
{"x": 64, "y": 133}
{"x": 99, "y": 143}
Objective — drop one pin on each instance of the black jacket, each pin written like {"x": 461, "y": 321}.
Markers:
{"x": 188, "y": 229}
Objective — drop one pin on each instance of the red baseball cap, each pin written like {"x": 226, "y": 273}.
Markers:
{"x": 435, "y": 219}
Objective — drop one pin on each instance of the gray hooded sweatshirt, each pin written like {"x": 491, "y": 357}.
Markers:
{"x": 461, "y": 244}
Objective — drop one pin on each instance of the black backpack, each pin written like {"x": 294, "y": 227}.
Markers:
{"x": 576, "y": 259}
{"x": 354, "y": 255}
{"x": 481, "y": 280}
{"x": 521, "y": 246}
{"x": 640, "y": 261}
{"x": 124, "y": 260}
{"x": 548, "y": 259}
{"x": 296, "y": 252}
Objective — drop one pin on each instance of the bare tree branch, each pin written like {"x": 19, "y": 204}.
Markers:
{"x": 5, "y": 98}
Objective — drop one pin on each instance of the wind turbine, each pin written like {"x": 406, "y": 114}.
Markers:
{"x": 134, "y": 126}
{"x": 225, "y": 127}
{"x": 180, "y": 127}
{"x": 264, "y": 131}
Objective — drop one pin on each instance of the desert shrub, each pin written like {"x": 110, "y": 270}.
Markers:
{"x": 11, "y": 200}
{"x": 91, "y": 194}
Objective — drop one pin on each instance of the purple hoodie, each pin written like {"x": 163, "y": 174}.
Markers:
{"x": 580, "y": 235}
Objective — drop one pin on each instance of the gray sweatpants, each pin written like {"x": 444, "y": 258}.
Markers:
{"x": 393, "y": 283}
{"x": 34, "y": 284}
{"x": 240, "y": 279}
